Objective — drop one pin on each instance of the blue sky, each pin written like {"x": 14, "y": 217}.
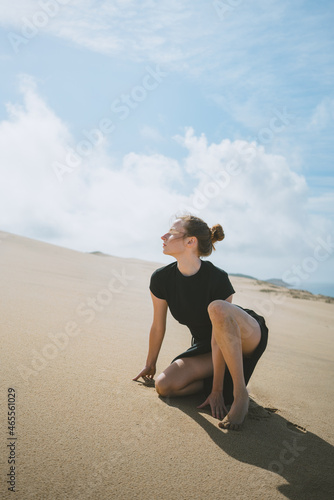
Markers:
{"x": 116, "y": 115}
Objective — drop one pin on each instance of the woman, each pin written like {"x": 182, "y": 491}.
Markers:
{"x": 227, "y": 339}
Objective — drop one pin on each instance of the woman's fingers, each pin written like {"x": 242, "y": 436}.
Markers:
{"x": 141, "y": 374}
{"x": 219, "y": 413}
{"x": 218, "y": 409}
{"x": 147, "y": 374}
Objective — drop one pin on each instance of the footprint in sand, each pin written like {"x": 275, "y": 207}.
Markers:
{"x": 264, "y": 412}
{"x": 271, "y": 410}
{"x": 296, "y": 428}
{"x": 256, "y": 412}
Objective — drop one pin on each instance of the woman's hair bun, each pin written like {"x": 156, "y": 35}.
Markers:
{"x": 217, "y": 233}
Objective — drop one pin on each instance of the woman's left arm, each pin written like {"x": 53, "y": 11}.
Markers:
{"x": 219, "y": 365}
{"x": 215, "y": 398}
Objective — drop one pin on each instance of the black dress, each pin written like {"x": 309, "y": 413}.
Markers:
{"x": 188, "y": 298}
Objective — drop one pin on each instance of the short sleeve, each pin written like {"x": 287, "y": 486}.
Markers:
{"x": 223, "y": 287}
{"x": 156, "y": 285}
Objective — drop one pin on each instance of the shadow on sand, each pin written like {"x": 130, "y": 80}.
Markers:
{"x": 269, "y": 441}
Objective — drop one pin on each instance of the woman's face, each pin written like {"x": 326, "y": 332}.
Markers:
{"x": 174, "y": 241}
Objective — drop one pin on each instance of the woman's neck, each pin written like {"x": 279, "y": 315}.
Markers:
{"x": 189, "y": 266}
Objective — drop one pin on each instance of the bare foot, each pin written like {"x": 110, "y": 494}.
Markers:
{"x": 237, "y": 413}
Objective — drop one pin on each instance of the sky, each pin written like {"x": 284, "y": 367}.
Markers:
{"x": 118, "y": 116}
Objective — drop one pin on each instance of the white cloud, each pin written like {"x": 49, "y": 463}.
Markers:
{"x": 152, "y": 31}
{"x": 260, "y": 197}
{"x": 323, "y": 115}
{"x": 13, "y": 14}
{"x": 151, "y": 133}
{"x": 248, "y": 62}
{"x": 123, "y": 209}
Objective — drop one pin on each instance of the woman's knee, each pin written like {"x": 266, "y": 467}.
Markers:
{"x": 162, "y": 385}
{"x": 219, "y": 309}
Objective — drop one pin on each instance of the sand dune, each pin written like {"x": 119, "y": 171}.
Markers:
{"x": 74, "y": 333}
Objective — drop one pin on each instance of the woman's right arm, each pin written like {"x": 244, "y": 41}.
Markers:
{"x": 157, "y": 334}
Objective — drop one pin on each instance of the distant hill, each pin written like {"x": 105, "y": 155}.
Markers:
{"x": 100, "y": 253}
{"x": 273, "y": 281}
{"x": 278, "y": 282}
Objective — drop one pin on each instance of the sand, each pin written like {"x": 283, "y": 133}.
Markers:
{"x": 74, "y": 332}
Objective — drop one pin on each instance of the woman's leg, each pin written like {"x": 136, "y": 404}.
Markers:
{"x": 184, "y": 376}
{"x": 237, "y": 334}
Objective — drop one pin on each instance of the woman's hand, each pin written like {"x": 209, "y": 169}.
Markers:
{"x": 216, "y": 402}
{"x": 147, "y": 374}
